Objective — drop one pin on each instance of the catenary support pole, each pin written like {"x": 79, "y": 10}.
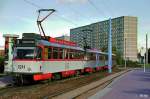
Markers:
{"x": 110, "y": 48}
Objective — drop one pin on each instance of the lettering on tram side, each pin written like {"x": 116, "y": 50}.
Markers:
{"x": 21, "y": 66}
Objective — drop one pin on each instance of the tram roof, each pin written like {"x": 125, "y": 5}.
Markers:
{"x": 96, "y": 51}
{"x": 46, "y": 43}
{"x": 99, "y": 52}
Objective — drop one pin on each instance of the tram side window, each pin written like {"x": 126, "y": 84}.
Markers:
{"x": 91, "y": 56}
{"x": 74, "y": 54}
{"x": 55, "y": 53}
{"x": 60, "y": 53}
{"x": 78, "y": 55}
{"x": 101, "y": 57}
{"x": 50, "y": 53}
{"x": 71, "y": 54}
{"x": 39, "y": 53}
{"x": 81, "y": 54}
{"x": 65, "y": 53}
{"x": 88, "y": 56}
{"x": 46, "y": 53}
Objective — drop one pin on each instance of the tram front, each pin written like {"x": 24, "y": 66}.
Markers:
{"x": 26, "y": 60}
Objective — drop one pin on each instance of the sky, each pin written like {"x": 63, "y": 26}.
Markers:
{"x": 19, "y": 16}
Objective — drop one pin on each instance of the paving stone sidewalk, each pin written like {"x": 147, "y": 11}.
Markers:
{"x": 133, "y": 85}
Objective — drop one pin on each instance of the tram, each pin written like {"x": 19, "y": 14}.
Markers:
{"x": 37, "y": 59}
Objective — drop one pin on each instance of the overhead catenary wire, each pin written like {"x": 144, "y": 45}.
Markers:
{"x": 77, "y": 12}
{"x": 31, "y": 3}
{"x": 81, "y": 15}
{"x": 109, "y": 11}
{"x": 56, "y": 14}
{"x": 108, "y": 6}
{"x": 96, "y": 8}
{"x": 66, "y": 20}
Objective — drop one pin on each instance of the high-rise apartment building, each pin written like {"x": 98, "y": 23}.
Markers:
{"x": 124, "y": 36}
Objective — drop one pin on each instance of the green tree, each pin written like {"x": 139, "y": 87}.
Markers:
{"x": 114, "y": 50}
{"x": 119, "y": 58}
{"x": 104, "y": 49}
{"x": 149, "y": 55}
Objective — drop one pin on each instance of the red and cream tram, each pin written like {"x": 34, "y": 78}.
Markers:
{"x": 36, "y": 59}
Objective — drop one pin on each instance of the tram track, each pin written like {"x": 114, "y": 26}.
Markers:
{"x": 37, "y": 86}
{"x": 59, "y": 92}
{"x": 52, "y": 89}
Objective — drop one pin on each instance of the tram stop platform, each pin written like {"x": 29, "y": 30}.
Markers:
{"x": 132, "y": 85}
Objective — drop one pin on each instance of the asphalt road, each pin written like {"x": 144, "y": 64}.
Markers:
{"x": 133, "y": 85}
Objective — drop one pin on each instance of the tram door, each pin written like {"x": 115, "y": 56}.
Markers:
{"x": 97, "y": 60}
{"x": 39, "y": 56}
{"x": 66, "y": 57}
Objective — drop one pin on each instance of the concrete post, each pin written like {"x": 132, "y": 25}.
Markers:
{"x": 9, "y": 44}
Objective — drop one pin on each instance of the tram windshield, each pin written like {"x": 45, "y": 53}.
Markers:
{"x": 24, "y": 53}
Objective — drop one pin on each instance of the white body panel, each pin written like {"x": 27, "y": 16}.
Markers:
{"x": 52, "y": 66}
{"x": 58, "y": 66}
{"x": 94, "y": 64}
{"x": 26, "y": 66}
{"x": 91, "y": 64}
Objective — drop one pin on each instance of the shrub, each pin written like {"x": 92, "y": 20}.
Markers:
{"x": 132, "y": 63}
{"x": 119, "y": 59}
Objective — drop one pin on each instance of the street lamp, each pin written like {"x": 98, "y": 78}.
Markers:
{"x": 125, "y": 64}
{"x": 142, "y": 52}
{"x": 146, "y": 49}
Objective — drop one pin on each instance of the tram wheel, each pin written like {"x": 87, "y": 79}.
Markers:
{"x": 78, "y": 73}
{"x": 57, "y": 76}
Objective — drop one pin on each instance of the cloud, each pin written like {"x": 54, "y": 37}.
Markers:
{"x": 71, "y": 1}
